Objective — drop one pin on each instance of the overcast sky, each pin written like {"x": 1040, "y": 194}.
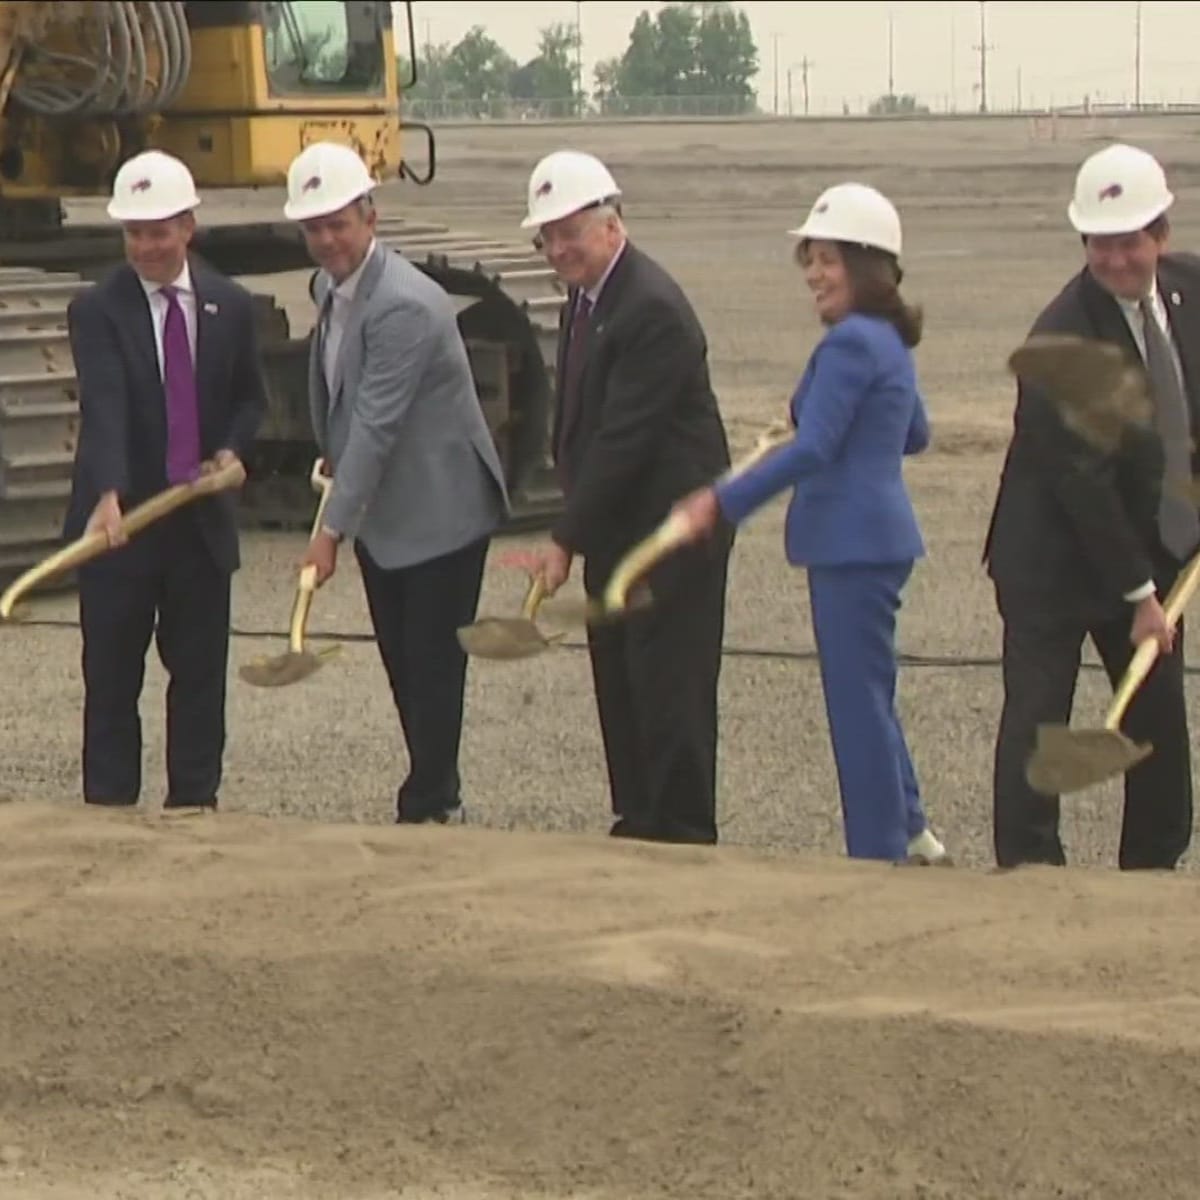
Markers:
{"x": 1062, "y": 51}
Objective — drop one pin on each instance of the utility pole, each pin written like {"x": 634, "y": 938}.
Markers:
{"x": 804, "y": 65}
{"x": 953, "y": 84}
{"x": 775, "y": 47}
{"x": 983, "y": 49}
{"x": 579, "y": 56}
{"x": 1137, "y": 54}
{"x": 891, "y": 58}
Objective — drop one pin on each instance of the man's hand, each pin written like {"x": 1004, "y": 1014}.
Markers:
{"x": 219, "y": 461}
{"x": 322, "y": 554}
{"x": 106, "y": 519}
{"x": 1150, "y": 621}
{"x": 551, "y": 562}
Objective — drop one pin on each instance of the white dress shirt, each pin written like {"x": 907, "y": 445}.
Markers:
{"x": 342, "y": 296}
{"x": 1134, "y": 319}
{"x": 158, "y": 311}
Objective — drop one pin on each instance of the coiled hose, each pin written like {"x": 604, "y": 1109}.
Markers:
{"x": 124, "y": 42}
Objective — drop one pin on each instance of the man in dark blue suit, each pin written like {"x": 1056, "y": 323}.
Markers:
{"x": 170, "y": 385}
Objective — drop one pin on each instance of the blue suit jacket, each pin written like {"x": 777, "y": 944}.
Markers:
{"x": 857, "y": 413}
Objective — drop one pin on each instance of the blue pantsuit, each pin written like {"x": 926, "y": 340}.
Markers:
{"x": 850, "y": 522}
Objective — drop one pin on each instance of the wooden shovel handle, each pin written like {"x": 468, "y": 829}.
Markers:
{"x": 92, "y": 545}
{"x": 534, "y": 596}
{"x": 307, "y": 583}
{"x": 1145, "y": 655}
{"x": 674, "y": 530}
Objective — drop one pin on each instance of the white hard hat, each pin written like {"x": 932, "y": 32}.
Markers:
{"x": 1119, "y": 189}
{"x": 853, "y": 212}
{"x": 565, "y": 182}
{"x": 151, "y": 187}
{"x": 324, "y": 178}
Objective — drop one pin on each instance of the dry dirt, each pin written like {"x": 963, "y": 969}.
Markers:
{"x": 295, "y": 999}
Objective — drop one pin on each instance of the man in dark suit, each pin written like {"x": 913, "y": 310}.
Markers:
{"x": 169, "y": 385}
{"x": 636, "y": 428}
{"x": 1084, "y": 542}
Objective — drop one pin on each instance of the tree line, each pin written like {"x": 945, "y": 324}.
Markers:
{"x": 703, "y": 49}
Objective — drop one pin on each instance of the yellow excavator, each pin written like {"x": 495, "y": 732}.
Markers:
{"x": 234, "y": 88}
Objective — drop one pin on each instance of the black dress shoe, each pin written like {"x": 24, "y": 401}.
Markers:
{"x": 210, "y": 803}
{"x": 455, "y": 815}
{"x": 100, "y": 802}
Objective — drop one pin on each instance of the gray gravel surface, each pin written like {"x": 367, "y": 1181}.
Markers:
{"x": 712, "y": 203}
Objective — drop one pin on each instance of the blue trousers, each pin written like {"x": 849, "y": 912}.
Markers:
{"x": 854, "y": 619}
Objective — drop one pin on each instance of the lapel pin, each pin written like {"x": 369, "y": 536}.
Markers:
{"x": 1176, "y": 298}
{"x": 211, "y": 308}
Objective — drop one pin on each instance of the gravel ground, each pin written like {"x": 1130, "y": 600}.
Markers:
{"x": 712, "y": 203}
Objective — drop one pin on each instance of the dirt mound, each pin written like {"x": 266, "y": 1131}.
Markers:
{"x": 239, "y": 1007}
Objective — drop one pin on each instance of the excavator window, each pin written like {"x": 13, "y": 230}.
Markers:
{"x": 323, "y": 48}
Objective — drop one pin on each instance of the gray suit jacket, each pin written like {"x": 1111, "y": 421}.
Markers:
{"x": 416, "y": 472}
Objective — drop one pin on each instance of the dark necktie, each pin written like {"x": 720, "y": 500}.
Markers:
{"x": 179, "y": 383}
{"x": 1178, "y": 524}
{"x": 573, "y": 366}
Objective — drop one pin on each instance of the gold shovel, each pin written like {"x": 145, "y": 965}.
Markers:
{"x": 674, "y": 531}
{"x": 1066, "y": 760}
{"x": 504, "y": 638}
{"x": 296, "y": 663}
{"x": 93, "y": 545}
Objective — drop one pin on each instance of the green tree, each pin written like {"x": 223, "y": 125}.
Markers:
{"x": 700, "y": 49}
{"x": 479, "y": 71}
{"x": 432, "y": 81}
{"x": 890, "y": 106}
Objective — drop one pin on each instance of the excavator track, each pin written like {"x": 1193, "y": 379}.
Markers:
{"x": 39, "y": 413}
{"x": 509, "y": 308}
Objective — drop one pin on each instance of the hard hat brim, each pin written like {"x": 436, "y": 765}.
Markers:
{"x": 119, "y": 213}
{"x": 1131, "y": 224}
{"x": 557, "y": 213}
{"x": 305, "y": 212}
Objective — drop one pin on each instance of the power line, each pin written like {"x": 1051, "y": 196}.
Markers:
{"x": 768, "y": 653}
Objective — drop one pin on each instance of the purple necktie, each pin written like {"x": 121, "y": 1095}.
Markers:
{"x": 179, "y": 382}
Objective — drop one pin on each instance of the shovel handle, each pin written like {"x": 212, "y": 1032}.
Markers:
{"x": 674, "y": 530}
{"x": 92, "y": 545}
{"x": 1146, "y": 653}
{"x": 534, "y": 596}
{"x": 307, "y": 583}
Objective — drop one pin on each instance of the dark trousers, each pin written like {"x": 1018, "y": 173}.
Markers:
{"x": 854, "y": 616}
{"x": 166, "y": 587}
{"x": 416, "y": 613}
{"x": 655, "y": 674}
{"x": 1041, "y": 663}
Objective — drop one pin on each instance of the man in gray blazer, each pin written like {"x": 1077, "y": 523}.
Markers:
{"x": 417, "y": 481}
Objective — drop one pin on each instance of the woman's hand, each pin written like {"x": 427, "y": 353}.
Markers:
{"x": 700, "y": 511}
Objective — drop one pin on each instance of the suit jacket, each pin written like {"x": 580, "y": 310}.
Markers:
{"x": 123, "y": 426}
{"x": 1074, "y": 530}
{"x": 645, "y": 429}
{"x": 857, "y": 412}
{"x": 416, "y": 471}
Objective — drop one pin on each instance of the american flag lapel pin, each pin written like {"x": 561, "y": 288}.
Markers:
{"x": 211, "y": 308}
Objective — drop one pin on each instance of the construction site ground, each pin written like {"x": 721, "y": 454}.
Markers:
{"x": 297, "y": 999}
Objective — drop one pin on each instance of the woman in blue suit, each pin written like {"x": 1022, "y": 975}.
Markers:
{"x": 857, "y": 412}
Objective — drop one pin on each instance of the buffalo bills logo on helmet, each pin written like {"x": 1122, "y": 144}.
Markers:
{"x": 544, "y": 189}
{"x": 311, "y": 184}
{"x": 1112, "y": 192}
{"x": 822, "y": 207}
{"x": 142, "y": 185}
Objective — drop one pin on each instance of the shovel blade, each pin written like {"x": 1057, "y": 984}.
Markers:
{"x": 502, "y": 638}
{"x": 1066, "y": 760}
{"x": 281, "y": 669}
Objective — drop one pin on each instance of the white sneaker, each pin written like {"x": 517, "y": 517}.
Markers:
{"x": 926, "y": 849}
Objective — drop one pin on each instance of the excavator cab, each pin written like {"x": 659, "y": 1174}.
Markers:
{"x": 235, "y": 89}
